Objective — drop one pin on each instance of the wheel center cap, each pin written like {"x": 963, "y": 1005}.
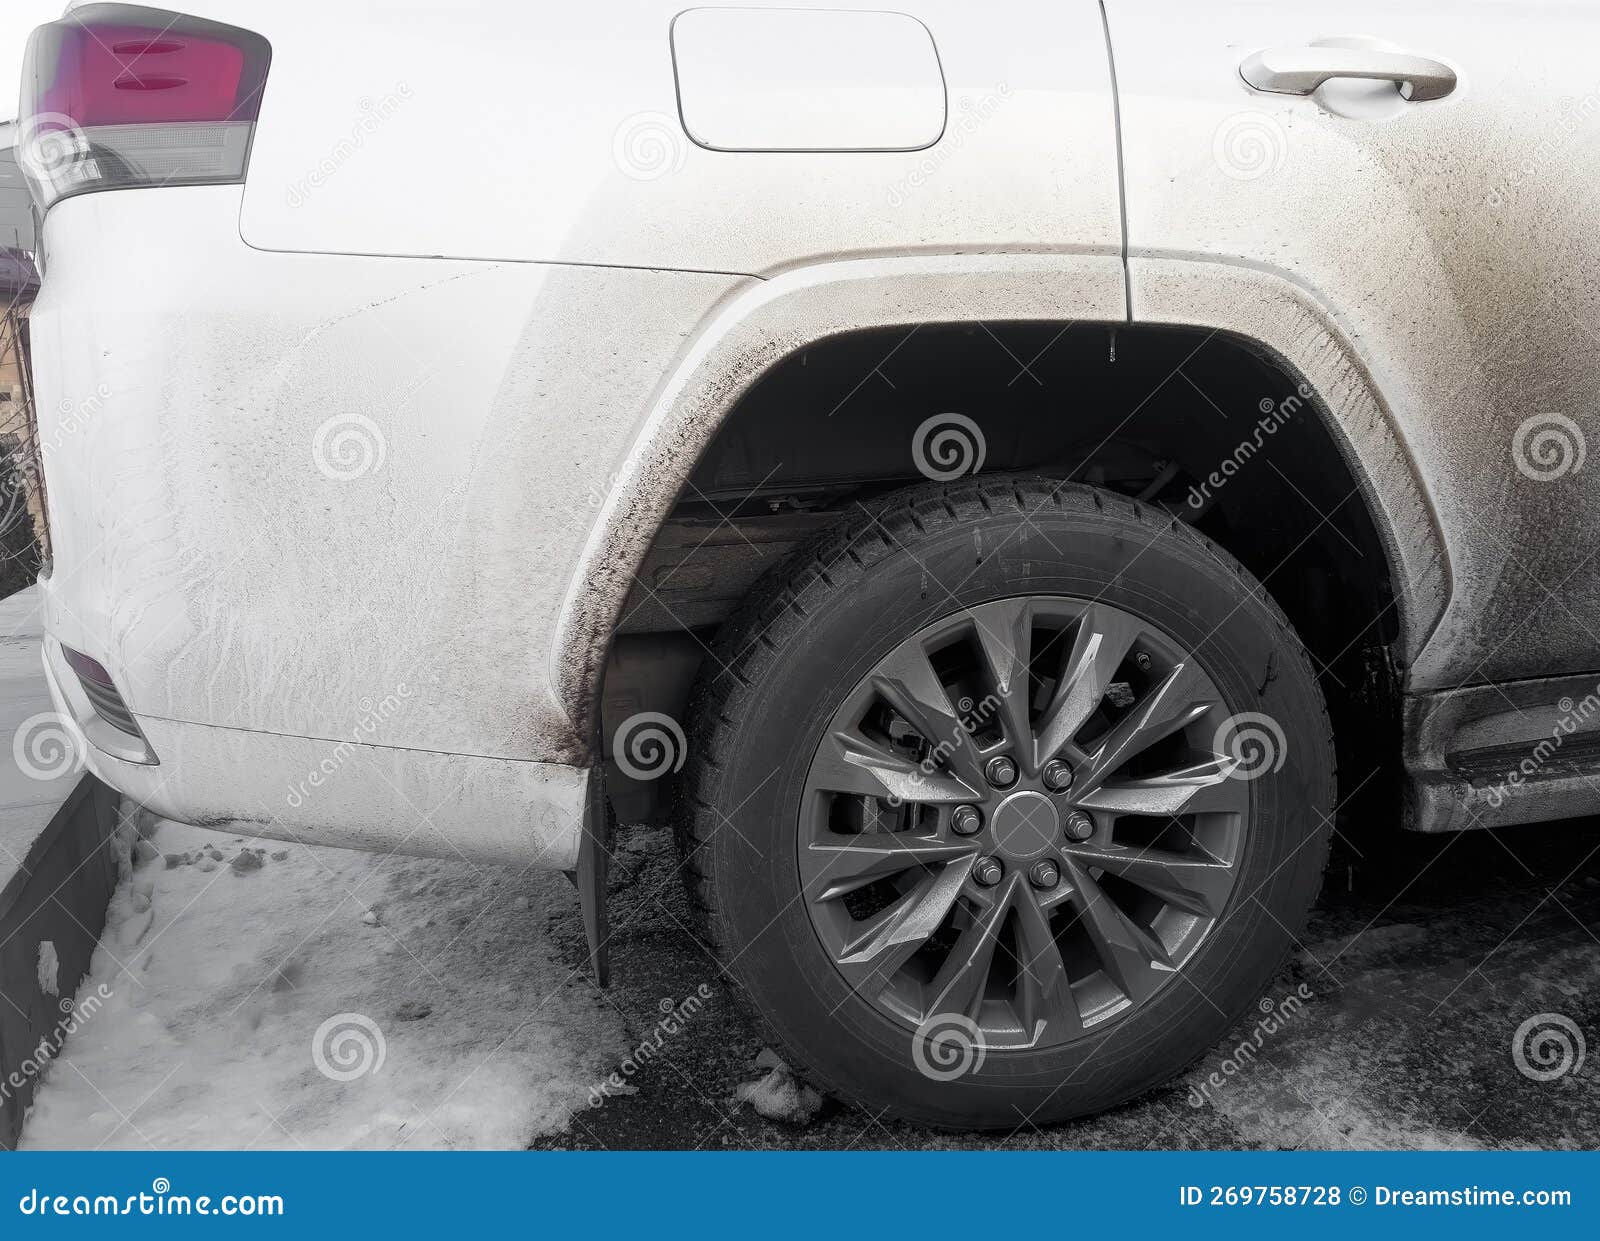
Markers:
{"x": 1025, "y": 825}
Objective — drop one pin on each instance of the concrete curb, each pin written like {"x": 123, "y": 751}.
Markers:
{"x": 57, "y": 866}
{"x": 57, "y": 897}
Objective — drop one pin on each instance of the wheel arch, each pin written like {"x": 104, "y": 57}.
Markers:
{"x": 758, "y": 330}
{"x": 1288, "y": 324}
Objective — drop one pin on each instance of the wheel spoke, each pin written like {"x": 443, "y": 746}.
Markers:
{"x": 1103, "y": 640}
{"x": 840, "y": 864}
{"x": 850, "y": 763}
{"x": 957, "y": 988}
{"x": 1182, "y": 697}
{"x": 1044, "y": 1001}
{"x": 1005, "y": 631}
{"x": 1200, "y": 789}
{"x": 880, "y": 945}
{"x": 1199, "y": 885}
{"x": 908, "y": 682}
{"x": 1128, "y": 953}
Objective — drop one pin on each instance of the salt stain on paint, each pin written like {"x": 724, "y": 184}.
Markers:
{"x": 49, "y": 968}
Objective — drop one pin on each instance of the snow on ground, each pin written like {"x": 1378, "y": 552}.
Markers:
{"x": 1394, "y": 1024}
{"x": 780, "y": 1095}
{"x": 269, "y": 995}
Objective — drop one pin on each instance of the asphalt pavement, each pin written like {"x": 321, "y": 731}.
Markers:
{"x": 1423, "y": 960}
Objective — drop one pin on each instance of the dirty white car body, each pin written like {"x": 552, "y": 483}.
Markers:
{"x": 354, "y": 461}
{"x": 256, "y": 610}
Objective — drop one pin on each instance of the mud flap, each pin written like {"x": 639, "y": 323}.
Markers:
{"x": 590, "y": 877}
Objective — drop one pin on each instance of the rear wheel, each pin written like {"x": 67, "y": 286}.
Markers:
{"x": 1006, "y": 804}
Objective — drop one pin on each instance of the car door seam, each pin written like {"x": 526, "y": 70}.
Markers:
{"x": 1122, "y": 180}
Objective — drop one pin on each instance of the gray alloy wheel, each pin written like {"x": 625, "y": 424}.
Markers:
{"x": 1019, "y": 819}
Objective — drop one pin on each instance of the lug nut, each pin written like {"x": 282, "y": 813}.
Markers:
{"x": 1079, "y": 826}
{"x": 966, "y": 821}
{"x": 1001, "y": 772}
{"x": 1142, "y": 661}
{"x": 988, "y": 871}
{"x": 1044, "y": 873}
{"x": 1057, "y": 775}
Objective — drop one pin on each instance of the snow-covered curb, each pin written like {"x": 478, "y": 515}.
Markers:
{"x": 284, "y": 996}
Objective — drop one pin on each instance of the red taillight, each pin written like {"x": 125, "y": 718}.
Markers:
{"x": 115, "y": 97}
{"x": 119, "y": 75}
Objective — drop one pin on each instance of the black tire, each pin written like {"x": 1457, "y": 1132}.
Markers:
{"x": 811, "y": 631}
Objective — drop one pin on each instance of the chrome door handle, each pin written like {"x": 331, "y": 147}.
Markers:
{"x": 1300, "y": 70}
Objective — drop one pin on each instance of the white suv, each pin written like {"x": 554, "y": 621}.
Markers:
{"x": 968, "y": 454}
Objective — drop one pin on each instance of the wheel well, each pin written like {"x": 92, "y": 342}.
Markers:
{"x": 1213, "y": 427}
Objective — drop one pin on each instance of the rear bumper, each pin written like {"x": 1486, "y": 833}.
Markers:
{"x": 378, "y": 798}
{"x": 316, "y": 515}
